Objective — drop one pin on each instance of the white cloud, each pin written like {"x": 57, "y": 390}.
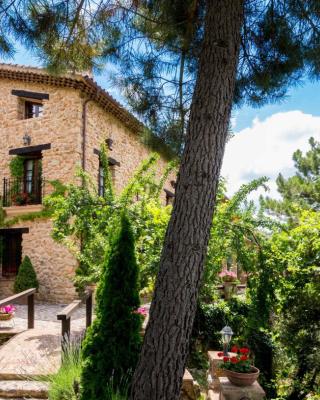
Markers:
{"x": 266, "y": 148}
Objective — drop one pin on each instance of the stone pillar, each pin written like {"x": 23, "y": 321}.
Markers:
{"x": 214, "y": 371}
{"x": 228, "y": 391}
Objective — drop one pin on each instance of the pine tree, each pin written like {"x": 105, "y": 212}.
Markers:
{"x": 248, "y": 51}
{"x": 300, "y": 191}
{"x": 26, "y": 278}
{"x": 111, "y": 346}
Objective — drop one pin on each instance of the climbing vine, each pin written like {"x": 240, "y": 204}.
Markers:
{"x": 16, "y": 166}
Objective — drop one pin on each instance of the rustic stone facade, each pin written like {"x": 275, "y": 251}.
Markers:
{"x": 69, "y": 119}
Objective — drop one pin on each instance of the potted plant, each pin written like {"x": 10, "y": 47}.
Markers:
{"x": 238, "y": 368}
{"x": 7, "y": 312}
{"x": 229, "y": 279}
{"x": 228, "y": 276}
{"x": 21, "y": 198}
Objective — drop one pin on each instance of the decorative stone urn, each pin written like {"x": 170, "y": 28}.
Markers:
{"x": 229, "y": 289}
{"x": 243, "y": 378}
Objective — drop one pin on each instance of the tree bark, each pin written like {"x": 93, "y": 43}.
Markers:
{"x": 160, "y": 370}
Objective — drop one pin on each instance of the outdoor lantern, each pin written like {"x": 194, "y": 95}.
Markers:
{"x": 226, "y": 334}
{"x": 26, "y": 139}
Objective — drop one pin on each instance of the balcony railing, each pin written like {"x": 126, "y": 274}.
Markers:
{"x": 21, "y": 192}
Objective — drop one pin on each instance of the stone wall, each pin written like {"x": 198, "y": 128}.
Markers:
{"x": 127, "y": 148}
{"x": 53, "y": 263}
{"x": 61, "y": 125}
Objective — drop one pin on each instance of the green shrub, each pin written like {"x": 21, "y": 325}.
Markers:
{"x": 26, "y": 278}
{"x": 112, "y": 344}
{"x": 211, "y": 318}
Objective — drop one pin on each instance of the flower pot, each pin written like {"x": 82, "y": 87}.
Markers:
{"x": 243, "y": 378}
{"x": 6, "y": 317}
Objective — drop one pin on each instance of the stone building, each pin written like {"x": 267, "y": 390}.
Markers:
{"x": 57, "y": 123}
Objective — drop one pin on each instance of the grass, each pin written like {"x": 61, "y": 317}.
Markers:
{"x": 65, "y": 384}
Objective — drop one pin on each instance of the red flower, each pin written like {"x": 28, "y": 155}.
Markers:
{"x": 226, "y": 359}
{"x": 244, "y": 358}
{"x": 234, "y": 360}
{"x": 234, "y": 349}
{"x": 220, "y": 354}
{"x": 244, "y": 350}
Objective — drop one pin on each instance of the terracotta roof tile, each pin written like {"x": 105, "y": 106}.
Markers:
{"x": 78, "y": 81}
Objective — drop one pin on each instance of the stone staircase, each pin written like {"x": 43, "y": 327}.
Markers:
{"x": 23, "y": 389}
{"x": 27, "y": 355}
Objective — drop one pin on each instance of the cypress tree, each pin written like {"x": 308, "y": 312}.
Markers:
{"x": 27, "y": 277}
{"x": 112, "y": 344}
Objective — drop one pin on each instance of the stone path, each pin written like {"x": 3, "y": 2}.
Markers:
{"x": 33, "y": 352}
{"x": 45, "y": 316}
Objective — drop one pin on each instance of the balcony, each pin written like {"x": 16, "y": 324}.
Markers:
{"x": 23, "y": 192}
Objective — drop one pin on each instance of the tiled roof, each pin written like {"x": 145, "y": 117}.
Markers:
{"x": 84, "y": 83}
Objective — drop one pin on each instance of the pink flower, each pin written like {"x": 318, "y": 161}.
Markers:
{"x": 229, "y": 274}
{"x": 141, "y": 311}
{"x": 10, "y": 309}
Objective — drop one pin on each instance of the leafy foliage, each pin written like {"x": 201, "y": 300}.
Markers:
{"x": 234, "y": 233}
{"x": 112, "y": 344}
{"x": 211, "y": 318}
{"x": 17, "y": 167}
{"x": 299, "y": 301}
{"x": 26, "y": 277}
{"x": 155, "y": 47}
{"x": 81, "y": 215}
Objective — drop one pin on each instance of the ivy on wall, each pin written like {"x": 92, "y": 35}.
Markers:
{"x": 16, "y": 166}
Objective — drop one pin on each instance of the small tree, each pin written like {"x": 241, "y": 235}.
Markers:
{"x": 112, "y": 344}
{"x": 27, "y": 277}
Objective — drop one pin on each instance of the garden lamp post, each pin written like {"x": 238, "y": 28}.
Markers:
{"x": 226, "y": 334}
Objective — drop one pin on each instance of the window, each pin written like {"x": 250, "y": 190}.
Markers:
{"x": 101, "y": 180}
{"x": 33, "y": 178}
{"x": 32, "y": 109}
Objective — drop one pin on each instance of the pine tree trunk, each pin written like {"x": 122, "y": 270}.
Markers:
{"x": 160, "y": 370}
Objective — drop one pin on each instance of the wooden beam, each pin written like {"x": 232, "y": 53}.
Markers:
{"x": 30, "y": 95}
{"x": 111, "y": 160}
{"x": 69, "y": 310}
{"x": 168, "y": 193}
{"x": 30, "y": 149}
{"x": 14, "y": 230}
{"x": 18, "y": 296}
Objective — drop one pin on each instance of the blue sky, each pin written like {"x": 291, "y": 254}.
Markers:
{"x": 264, "y": 138}
{"x": 305, "y": 98}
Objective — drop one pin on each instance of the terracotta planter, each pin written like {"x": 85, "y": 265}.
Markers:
{"x": 243, "y": 378}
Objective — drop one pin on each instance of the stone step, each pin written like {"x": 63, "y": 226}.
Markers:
{"x": 213, "y": 395}
{"x": 23, "y": 389}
